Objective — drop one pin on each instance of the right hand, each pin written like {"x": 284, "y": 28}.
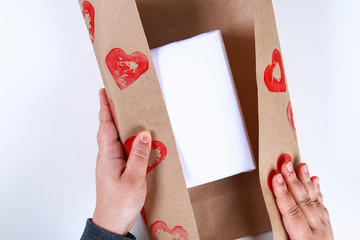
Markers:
{"x": 300, "y": 202}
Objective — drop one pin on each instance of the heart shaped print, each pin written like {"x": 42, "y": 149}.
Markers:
{"x": 89, "y": 17}
{"x": 112, "y": 108}
{"x": 159, "y": 230}
{"x": 155, "y": 145}
{"x": 281, "y": 159}
{"x": 290, "y": 117}
{"x": 126, "y": 69}
{"x": 275, "y": 83}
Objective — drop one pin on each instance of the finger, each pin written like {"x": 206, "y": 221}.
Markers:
{"x": 302, "y": 172}
{"x": 315, "y": 181}
{"x": 293, "y": 218}
{"x": 105, "y": 111}
{"x": 107, "y": 136}
{"x": 139, "y": 157}
{"x": 107, "y": 130}
{"x": 297, "y": 190}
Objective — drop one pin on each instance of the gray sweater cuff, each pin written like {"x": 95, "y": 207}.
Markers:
{"x": 93, "y": 232}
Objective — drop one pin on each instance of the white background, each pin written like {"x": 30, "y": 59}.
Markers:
{"x": 49, "y": 104}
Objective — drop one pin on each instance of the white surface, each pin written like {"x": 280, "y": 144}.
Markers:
{"x": 202, "y": 104}
{"x": 320, "y": 45}
{"x": 48, "y": 112}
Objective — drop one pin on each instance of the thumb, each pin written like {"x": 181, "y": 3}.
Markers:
{"x": 139, "y": 156}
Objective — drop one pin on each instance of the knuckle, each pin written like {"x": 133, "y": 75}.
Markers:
{"x": 316, "y": 201}
{"x": 99, "y": 136}
{"x": 327, "y": 214}
{"x": 323, "y": 233}
{"x": 306, "y": 202}
{"x": 135, "y": 179}
{"x": 294, "y": 211}
{"x": 320, "y": 196}
{"x": 296, "y": 182}
{"x": 283, "y": 193}
{"x": 140, "y": 153}
{"x": 101, "y": 130}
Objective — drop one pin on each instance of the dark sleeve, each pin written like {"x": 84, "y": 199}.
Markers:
{"x": 93, "y": 232}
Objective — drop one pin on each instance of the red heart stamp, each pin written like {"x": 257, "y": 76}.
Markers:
{"x": 126, "y": 69}
{"x": 274, "y": 74}
{"x": 281, "y": 159}
{"x": 290, "y": 117}
{"x": 159, "y": 230}
{"x": 89, "y": 17}
{"x": 112, "y": 108}
{"x": 156, "y": 157}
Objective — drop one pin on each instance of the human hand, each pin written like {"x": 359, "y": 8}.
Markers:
{"x": 300, "y": 202}
{"x": 120, "y": 185}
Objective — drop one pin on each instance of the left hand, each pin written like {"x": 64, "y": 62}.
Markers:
{"x": 120, "y": 185}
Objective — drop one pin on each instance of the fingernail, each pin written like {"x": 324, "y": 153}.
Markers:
{"x": 289, "y": 167}
{"x": 279, "y": 179}
{"x": 317, "y": 182}
{"x": 306, "y": 169}
{"x": 145, "y": 137}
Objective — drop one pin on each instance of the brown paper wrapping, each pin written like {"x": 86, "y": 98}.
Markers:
{"x": 275, "y": 135}
{"x": 229, "y": 208}
{"x": 141, "y": 106}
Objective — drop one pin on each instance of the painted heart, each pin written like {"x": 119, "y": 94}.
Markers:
{"x": 281, "y": 159}
{"x": 112, "y": 108}
{"x": 290, "y": 117}
{"x": 159, "y": 230}
{"x": 155, "y": 145}
{"x": 126, "y": 69}
{"x": 89, "y": 16}
{"x": 275, "y": 81}
{"x": 270, "y": 177}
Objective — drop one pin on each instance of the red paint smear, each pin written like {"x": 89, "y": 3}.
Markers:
{"x": 126, "y": 69}
{"x": 290, "y": 117}
{"x": 178, "y": 232}
{"x": 143, "y": 214}
{"x": 89, "y": 9}
{"x": 128, "y": 145}
{"x": 273, "y": 84}
{"x": 112, "y": 108}
{"x": 280, "y": 161}
{"x": 155, "y": 145}
{"x": 270, "y": 177}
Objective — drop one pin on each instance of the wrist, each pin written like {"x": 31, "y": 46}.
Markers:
{"x": 110, "y": 224}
